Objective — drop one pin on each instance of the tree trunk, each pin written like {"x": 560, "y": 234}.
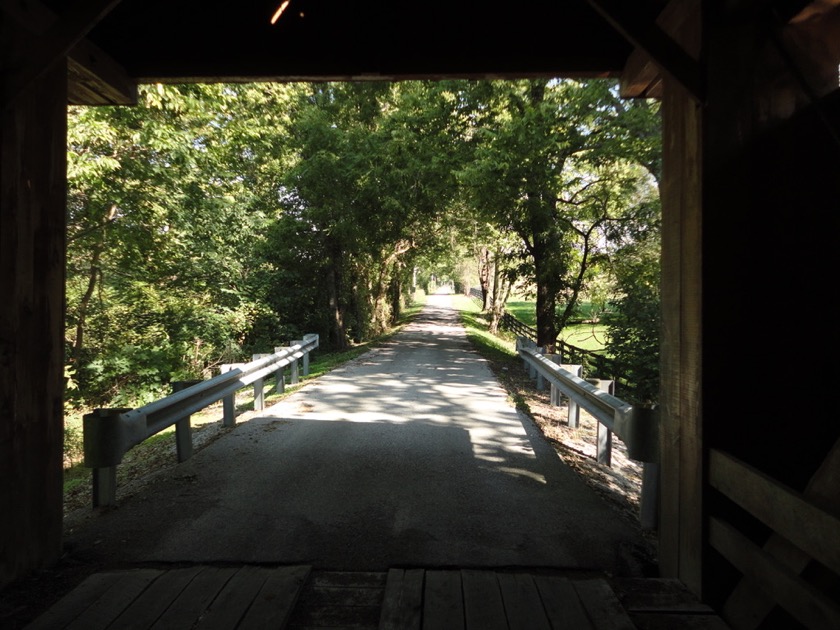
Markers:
{"x": 338, "y": 327}
{"x": 484, "y": 264}
{"x": 84, "y": 304}
{"x": 395, "y": 295}
{"x": 546, "y": 305}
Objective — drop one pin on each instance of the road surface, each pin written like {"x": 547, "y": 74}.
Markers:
{"x": 410, "y": 455}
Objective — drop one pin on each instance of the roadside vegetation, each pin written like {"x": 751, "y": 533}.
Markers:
{"x": 159, "y": 451}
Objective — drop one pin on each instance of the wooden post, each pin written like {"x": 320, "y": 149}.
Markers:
{"x": 681, "y": 513}
{"x": 33, "y": 183}
{"x": 183, "y": 433}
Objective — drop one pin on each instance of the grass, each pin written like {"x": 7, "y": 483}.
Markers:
{"x": 500, "y": 351}
{"x": 490, "y": 346}
{"x": 586, "y": 336}
{"x": 159, "y": 446}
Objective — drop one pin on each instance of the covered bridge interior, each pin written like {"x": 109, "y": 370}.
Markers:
{"x": 751, "y": 190}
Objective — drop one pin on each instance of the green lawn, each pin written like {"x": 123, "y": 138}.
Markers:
{"x": 590, "y": 337}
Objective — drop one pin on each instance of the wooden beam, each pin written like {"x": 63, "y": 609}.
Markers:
{"x": 747, "y": 606}
{"x": 33, "y": 184}
{"x": 55, "y": 44}
{"x": 646, "y": 35}
{"x": 806, "y": 603}
{"x": 787, "y": 512}
{"x": 641, "y": 77}
{"x": 96, "y": 79}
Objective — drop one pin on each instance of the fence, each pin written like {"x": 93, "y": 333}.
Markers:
{"x": 637, "y": 427}
{"x": 110, "y": 433}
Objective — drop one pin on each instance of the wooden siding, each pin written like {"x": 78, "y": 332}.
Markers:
{"x": 32, "y": 211}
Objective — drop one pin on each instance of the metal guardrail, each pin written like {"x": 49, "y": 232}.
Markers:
{"x": 637, "y": 427}
{"x": 110, "y": 433}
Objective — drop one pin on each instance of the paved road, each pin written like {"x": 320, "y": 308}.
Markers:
{"x": 408, "y": 456}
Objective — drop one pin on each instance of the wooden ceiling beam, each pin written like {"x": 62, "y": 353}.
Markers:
{"x": 55, "y": 42}
{"x": 648, "y": 36}
{"x": 94, "y": 78}
{"x": 641, "y": 77}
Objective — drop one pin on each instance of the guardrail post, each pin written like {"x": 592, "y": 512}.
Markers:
{"x": 604, "y": 435}
{"x": 532, "y": 369}
{"x": 308, "y": 338}
{"x": 104, "y": 448}
{"x": 574, "y": 409}
{"x": 554, "y": 392}
{"x": 228, "y": 402}
{"x": 259, "y": 387}
{"x": 281, "y": 373}
{"x": 295, "y": 378}
{"x": 183, "y": 434}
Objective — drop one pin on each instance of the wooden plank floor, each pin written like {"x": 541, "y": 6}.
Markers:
{"x": 297, "y": 598}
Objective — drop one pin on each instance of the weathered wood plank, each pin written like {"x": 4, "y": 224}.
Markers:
{"x": 443, "y": 601}
{"x": 681, "y": 438}
{"x": 673, "y": 621}
{"x": 402, "y": 607}
{"x": 672, "y": 59}
{"x": 641, "y": 76}
{"x": 785, "y": 511}
{"x": 790, "y": 591}
{"x": 275, "y": 601}
{"x": 523, "y": 605}
{"x": 153, "y": 602}
{"x": 483, "y": 605}
{"x": 127, "y": 586}
{"x": 747, "y": 606}
{"x": 233, "y": 601}
{"x": 194, "y": 599}
{"x": 33, "y": 154}
{"x": 602, "y": 605}
{"x": 74, "y": 603}
{"x": 354, "y": 579}
{"x": 657, "y": 595}
{"x": 562, "y": 604}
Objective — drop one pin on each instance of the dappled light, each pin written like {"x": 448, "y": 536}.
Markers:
{"x": 410, "y": 454}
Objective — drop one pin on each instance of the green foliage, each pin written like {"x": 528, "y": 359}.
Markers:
{"x": 633, "y": 325}
{"x": 212, "y": 222}
{"x": 164, "y": 215}
{"x": 560, "y": 164}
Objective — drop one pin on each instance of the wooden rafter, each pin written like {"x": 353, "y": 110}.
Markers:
{"x": 56, "y": 43}
{"x": 649, "y": 37}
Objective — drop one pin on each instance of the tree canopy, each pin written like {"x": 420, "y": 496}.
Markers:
{"x": 211, "y": 222}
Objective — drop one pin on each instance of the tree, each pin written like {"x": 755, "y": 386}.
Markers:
{"x": 165, "y": 209}
{"x": 371, "y": 181}
{"x": 633, "y": 324}
{"x": 545, "y": 167}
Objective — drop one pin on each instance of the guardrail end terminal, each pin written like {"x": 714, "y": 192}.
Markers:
{"x": 103, "y": 436}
